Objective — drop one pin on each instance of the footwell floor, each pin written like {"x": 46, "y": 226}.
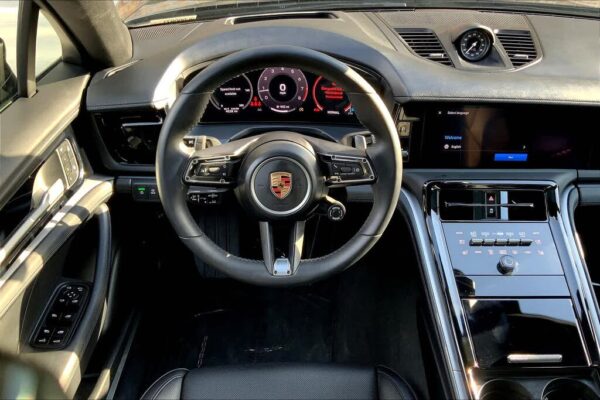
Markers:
{"x": 367, "y": 315}
{"x": 237, "y": 324}
{"x": 257, "y": 326}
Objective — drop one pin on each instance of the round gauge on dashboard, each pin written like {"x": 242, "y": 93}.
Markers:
{"x": 329, "y": 97}
{"x": 282, "y": 89}
{"x": 234, "y": 95}
{"x": 475, "y": 44}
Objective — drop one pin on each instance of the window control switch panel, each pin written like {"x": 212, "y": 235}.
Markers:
{"x": 61, "y": 317}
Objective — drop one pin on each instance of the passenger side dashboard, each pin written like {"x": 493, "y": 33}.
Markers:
{"x": 468, "y": 40}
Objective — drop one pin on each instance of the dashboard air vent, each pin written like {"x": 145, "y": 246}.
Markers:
{"x": 426, "y": 44}
{"x": 131, "y": 137}
{"x": 519, "y": 46}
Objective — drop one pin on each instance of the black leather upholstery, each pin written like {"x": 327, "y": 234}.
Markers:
{"x": 281, "y": 381}
{"x": 167, "y": 386}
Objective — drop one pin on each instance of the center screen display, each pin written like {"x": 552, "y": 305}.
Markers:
{"x": 503, "y": 136}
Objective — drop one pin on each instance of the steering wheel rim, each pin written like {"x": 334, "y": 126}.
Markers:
{"x": 385, "y": 154}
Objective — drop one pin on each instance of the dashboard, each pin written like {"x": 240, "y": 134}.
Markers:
{"x": 495, "y": 112}
{"x": 468, "y": 89}
{"x": 280, "y": 94}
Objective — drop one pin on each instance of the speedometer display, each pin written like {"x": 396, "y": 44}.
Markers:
{"x": 282, "y": 89}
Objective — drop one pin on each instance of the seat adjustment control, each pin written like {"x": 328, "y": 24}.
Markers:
{"x": 61, "y": 317}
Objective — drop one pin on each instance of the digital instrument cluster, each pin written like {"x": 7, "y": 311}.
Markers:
{"x": 280, "y": 94}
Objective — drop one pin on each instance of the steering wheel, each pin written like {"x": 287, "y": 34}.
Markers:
{"x": 278, "y": 176}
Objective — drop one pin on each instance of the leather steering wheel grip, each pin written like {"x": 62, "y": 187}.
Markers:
{"x": 385, "y": 155}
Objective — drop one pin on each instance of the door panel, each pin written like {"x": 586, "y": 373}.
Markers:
{"x": 66, "y": 243}
{"x": 74, "y": 247}
{"x": 30, "y": 128}
{"x": 42, "y": 195}
{"x": 58, "y": 236}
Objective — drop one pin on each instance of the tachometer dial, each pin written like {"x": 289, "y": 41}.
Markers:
{"x": 234, "y": 95}
{"x": 475, "y": 44}
{"x": 330, "y": 98}
{"x": 282, "y": 89}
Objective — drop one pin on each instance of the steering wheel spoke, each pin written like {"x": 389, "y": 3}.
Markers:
{"x": 282, "y": 266}
{"x": 347, "y": 170}
{"x": 216, "y": 166}
{"x": 212, "y": 172}
{"x": 344, "y": 165}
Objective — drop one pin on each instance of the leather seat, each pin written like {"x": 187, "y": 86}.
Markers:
{"x": 281, "y": 381}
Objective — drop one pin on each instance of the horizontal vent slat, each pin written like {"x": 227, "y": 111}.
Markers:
{"x": 427, "y": 48}
{"x": 523, "y": 43}
{"x": 504, "y": 34}
{"x": 521, "y": 52}
{"x": 422, "y": 40}
{"x": 426, "y": 44}
{"x": 419, "y": 44}
{"x": 519, "y": 46}
{"x": 513, "y": 36}
{"x": 515, "y": 39}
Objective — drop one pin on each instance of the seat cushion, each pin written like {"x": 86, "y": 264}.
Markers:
{"x": 281, "y": 381}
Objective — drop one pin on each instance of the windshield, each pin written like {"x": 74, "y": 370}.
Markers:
{"x": 148, "y": 12}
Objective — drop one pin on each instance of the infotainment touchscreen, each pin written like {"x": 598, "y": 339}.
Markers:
{"x": 476, "y": 135}
{"x": 502, "y": 136}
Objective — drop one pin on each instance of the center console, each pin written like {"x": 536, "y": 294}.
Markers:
{"x": 520, "y": 319}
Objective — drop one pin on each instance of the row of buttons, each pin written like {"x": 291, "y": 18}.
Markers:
{"x": 58, "y": 322}
{"x": 491, "y": 208}
{"x": 347, "y": 170}
{"x": 212, "y": 170}
{"x": 68, "y": 161}
{"x": 343, "y": 169}
{"x": 145, "y": 192}
{"x": 500, "y": 242}
{"x": 220, "y": 171}
{"x": 51, "y": 336}
{"x": 205, "y": 199}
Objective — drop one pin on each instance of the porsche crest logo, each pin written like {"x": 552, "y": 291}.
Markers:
{"x": 281, "y": 184}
